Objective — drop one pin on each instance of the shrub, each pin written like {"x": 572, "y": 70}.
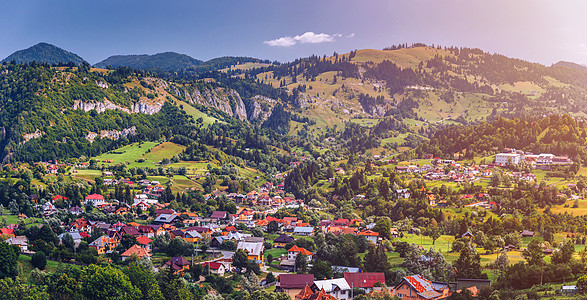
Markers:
{"x": 39, "y": 260}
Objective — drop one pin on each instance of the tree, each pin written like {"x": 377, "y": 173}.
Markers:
{"x": 383, "y": 227}
{"x": 240, "y": 259}
{"x": 107, "y": 283}
{"x": 8, "y": 257}
{"x": 469, "y": 263}
{"x": 502, "y": 261}
{"x": 269, "y": 258}
{"x": 250, "y": 282}
{"x": 257, "y": 232}
{"x": 301, "y": 263}
{"x": 321, "y": 269}
{"x": 270, "y": 278}
{"x": 272, "y": 227}
{"x": 564, "y": 253}
{"x": 582, "y": 284}
{"x": 228, "y": 245}
{"x": 143, "y": 279}
{"x": 533, "y": 254}
{"x": 171, "y": 286}
{"x": 513, "y": 238}
{"x": 68, "y": 241}
{"x": 376, "y": 260}
{"x": 39, "y": 260}
{"x": 434, "y": 234}
{"x": 176, "y": 247}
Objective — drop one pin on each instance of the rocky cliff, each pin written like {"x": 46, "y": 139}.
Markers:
{"x": 228, "y": 101}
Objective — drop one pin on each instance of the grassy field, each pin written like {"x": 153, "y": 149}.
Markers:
{"x": 146, "y": 154}
{"x": 127, "y": 154}
{"x": 88, "y": 175}
{"x": 196, "y": 113}
{"x": 24, "y": 261}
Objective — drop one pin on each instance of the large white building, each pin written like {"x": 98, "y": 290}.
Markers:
{"x": 544, "y": 159}
{"x": 504, "y": 159}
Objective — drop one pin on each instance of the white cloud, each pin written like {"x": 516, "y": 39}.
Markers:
{"x": 351, "y": 35}
{"x": 286, "y": 41}
{"x": 314, "y": 38}
{"x": 306, "y": 38}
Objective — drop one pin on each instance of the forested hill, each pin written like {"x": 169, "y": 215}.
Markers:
{"x": 174, "y": 62}
{"x": 438, "y": 83}
{"x": 562, "y": 135}
{"x": 64, "y": 112}
{"x": 168, "y": 61}
{"x": 44, "y": 53}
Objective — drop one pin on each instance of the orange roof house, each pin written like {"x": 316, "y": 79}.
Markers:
{"x": 7, "y": 232}
{"x": 135, "y": 250}
{"x": 143, "y": 240}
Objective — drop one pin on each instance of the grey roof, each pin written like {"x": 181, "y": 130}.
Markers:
{"x": 251, "y": 248}
{"x": 74, "y": 235}
{"x": 165, "y": 218}
{"x": 18, "y": 240}
{"x": 344, "y": 269}
{"x": 304, "y": 229}
{"x": 330, "y": 285}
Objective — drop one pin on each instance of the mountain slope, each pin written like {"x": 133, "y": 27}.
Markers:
{"x": 44, "y": 53}
{"x": 573, "y": 65}
{"x": 167, "y": 61}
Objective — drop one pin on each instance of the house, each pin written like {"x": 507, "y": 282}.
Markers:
{"x": 338, "y": 288}
{"x": 77, "y": 236}
{"x": 293, "y": 252}
{"x": 417, "y": 287}
{"x": 7, "y": 232}
{"x": 146, "y": 230}
{"x": 76, "y": 210}
{"x": 176, "y": 233}
{"x": 292, "y": 284}
{"x": 145, "y": 242}
{"x": 159, "y": 212}
{"x": 370, "y": 235}
{"x": 215, "y": 268}
{"x": 95, "y": 199}
{"x": 464, "y": 283}
{"x": 192, "y": 236}
{"x": 467, "y": 234}
{"x": 21, "y": 241}
{"x": 49, "y": 208}
{"x": 402, "y": 193}
{"x": 305, "y": 231}
{"x": 308, "y": 294}
{"x": 342, "y": 222}
{"x": 365, "y": 281}
{"x": 80, "y": 225}
{"x": 167, "y": 219}
{"x": 218, "y": 216}
{"x": 157, "y": 230}
{"x": 103, "y": 244}
{"x": 136, "y": 250}
{"x": 282, "y": 240}
{"x": 178, "y": 264}
{"x": 527, "y": 233}
{"x": 254, "y": 250}
{"x": 129, "y": 230}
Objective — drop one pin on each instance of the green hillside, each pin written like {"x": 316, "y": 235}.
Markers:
{"x": 168, "y": 61}
{"x": 44, "y": 53}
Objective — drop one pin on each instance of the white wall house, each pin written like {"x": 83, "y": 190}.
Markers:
{"x": 503, "y": 159}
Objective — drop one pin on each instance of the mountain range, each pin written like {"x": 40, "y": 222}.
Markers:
{"x": 54, "y": 112}
{"x": 167, "y": 61}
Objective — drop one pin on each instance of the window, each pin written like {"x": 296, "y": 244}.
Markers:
{"x": 343, "y": 292}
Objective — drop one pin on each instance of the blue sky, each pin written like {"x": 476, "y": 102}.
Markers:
{"x": 536, "y": 30}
